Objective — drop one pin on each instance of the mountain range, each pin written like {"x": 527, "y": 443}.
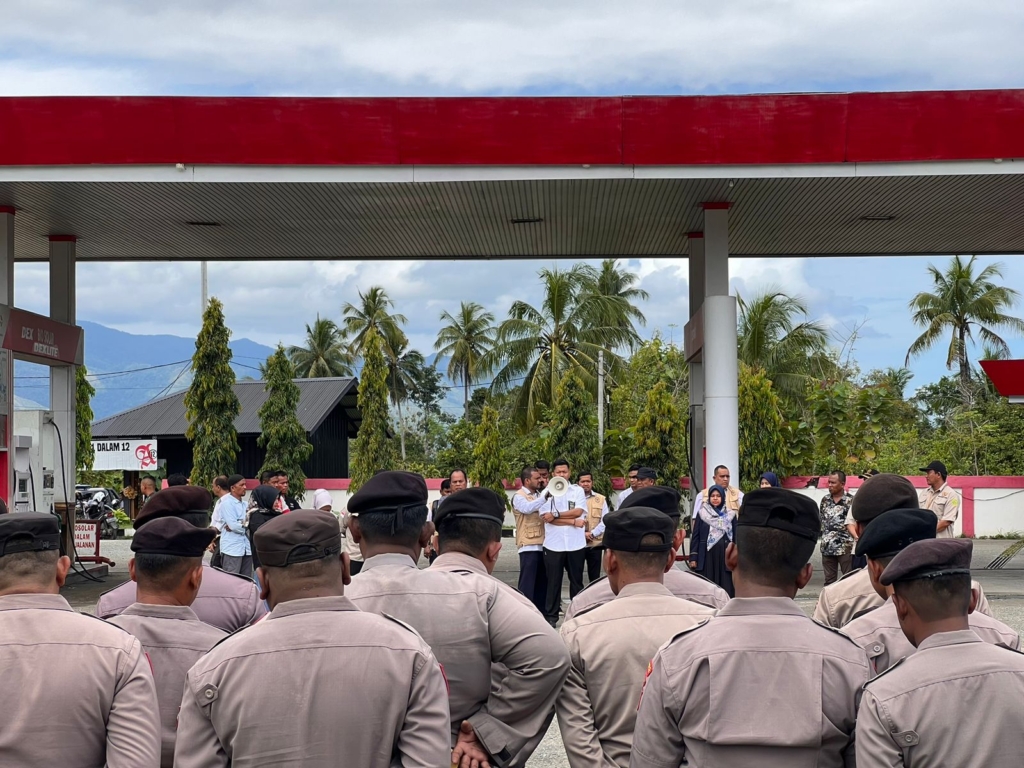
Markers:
{"x": 130, "y": 369}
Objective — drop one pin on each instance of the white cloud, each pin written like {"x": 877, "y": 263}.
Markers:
{"x": 454, "y": 46}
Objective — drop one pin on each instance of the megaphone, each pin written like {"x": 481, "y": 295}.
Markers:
{"x": 558, "y": 486}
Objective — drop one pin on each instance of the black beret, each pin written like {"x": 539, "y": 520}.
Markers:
{"x": 928, "y": 559}
{"x": 235, "y": 480}
{"x": 625, "y": 528}
{"x": 298, "y": 537}
{"x": 781, "y": 509}
{"x": 660, "y": 497}
{"x": 174, "y": 501}
{"x": 938, "y": 466}
{"x": 172, "y": 536}
{"x": 893, "y": 531}
{"x": 646, "y": 473}
{"x": 879, "y": 494}
{"x": 28, "y": 532}
{"x": 475, "y": 503}
{"x": 389, "y": 492}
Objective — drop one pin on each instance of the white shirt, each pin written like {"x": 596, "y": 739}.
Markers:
{"x": 233, "y": 542}
{"x": 524, "y": 506}
{"x": 623, "y": 495}
{"x": 565, "y": 538}
{"x": 599, "y": 528}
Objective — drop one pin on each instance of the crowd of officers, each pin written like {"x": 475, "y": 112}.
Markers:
{"x": 430, "y": 667}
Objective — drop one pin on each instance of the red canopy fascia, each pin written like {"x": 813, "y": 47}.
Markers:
{"x": 1006, "y": 375}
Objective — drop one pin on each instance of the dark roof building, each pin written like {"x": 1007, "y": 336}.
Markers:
{"x": 327, "y": 411}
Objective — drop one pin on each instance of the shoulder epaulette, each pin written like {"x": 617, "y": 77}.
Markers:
{"x": 848, "y": 574}
{"x": 595, "y": 581}
{"x": 882, "y": 674}
{"x": 229, "y": 635}
{"x": 866, "y": 611}
{"x": 401, "y": 623}
{"x": 231, "y": 573}
{"x": 700, "y": 576}
{"x": 687, "y": 631}
{"x": 836, "y": 631}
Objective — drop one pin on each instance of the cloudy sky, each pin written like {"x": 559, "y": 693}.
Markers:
{"x": 458, "y": 47}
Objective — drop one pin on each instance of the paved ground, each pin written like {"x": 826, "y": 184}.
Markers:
{"x": 1004, "y": 588}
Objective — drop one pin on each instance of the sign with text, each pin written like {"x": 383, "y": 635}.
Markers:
{"x": 87, "y": 538}
{"x": 40, "y": 339}
{"x": 138, "y": 455}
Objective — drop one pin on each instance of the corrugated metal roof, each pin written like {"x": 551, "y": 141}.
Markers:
{"x": 473, "y": 219}
{"x": 166, "y": 417}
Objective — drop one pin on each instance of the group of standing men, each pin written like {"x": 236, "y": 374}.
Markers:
{"x": 562, "y": 533}
{"x": 421, "y": 668}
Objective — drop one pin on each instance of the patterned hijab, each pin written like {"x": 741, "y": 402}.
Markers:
{"x": 718, "y": 518}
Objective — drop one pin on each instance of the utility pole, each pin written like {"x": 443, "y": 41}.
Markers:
{"x": 204, "y": 285}
{"x": 600, "y": 399}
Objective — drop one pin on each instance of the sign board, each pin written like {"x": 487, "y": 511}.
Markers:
{"x": 138, "y": 455}
{"x": 87, "y": 538}
{"x": 39, "y": 339}
{"x": 693, "y": 337}
{"x": 5, "y": 379}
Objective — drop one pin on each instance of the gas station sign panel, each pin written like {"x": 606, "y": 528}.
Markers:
{"x": 138, "y": 455}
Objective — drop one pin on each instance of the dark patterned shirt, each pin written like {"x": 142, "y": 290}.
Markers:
{"x": 835, "y": 539}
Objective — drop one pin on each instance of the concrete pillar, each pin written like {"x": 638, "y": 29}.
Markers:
{"x": 62, "y": 377}
{"x": 721, "y": 364}
{"x": 6, "y": 360}
{"x": 696, "y": 264}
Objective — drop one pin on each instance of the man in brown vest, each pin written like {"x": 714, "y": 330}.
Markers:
{"x": 526, "y": 505}
{"x": 597, "y": 508}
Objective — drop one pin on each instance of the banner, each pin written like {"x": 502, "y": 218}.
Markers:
{"x": 138, "y": 455}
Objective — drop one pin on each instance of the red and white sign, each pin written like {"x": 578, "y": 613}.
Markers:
{"x": 87, "y": 538}
{"x": 138, "y": 455}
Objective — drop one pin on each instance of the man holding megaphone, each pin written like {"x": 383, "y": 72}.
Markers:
{"x": 565, "y": 538}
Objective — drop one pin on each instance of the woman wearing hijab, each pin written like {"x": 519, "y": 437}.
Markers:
{"x": 770, "y": 480}
{"x": 713, "y": 529}
{"x": 262, "y": 508}
{"x": 322, "y": 500}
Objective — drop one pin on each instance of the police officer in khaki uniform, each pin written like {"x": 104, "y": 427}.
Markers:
{"x": 853, "y": 595}
{"x": 957, "y": 701}
{"x": 466, "y": 618}
{"x": 878, "y": 631}
{"x": 318, "y": 683}
{"x": 226, "y": 600}
{"x": 168, "y": 570}
{"x": 527, "y": 503}
{"x": 469, "y": 540}
{"x": 759, "y": 683}
{"x": 611, "y": 645}
{"x": 78, "y": 691}
{"x": 939, "y": 498}
{"x": 679, "y": 581}
{"x": 597, "y": 508}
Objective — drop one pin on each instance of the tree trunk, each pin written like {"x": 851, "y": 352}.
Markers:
{"x": 401, "y": 427}
{"x": 465, "y": 396}
{"x": 965, "y": 368}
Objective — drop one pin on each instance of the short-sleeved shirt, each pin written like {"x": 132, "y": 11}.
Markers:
{"x": 835, "y": 539}
{"x": 945, "y": 504}
{"x": 234, "y": 542}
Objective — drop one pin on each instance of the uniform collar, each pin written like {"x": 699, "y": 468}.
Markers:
{"x": 940, "y": 489}
{"x": 38, "y": 601}
{"x": 461, "y": 561}
{"x": 958, "y": 637}
{"x": 758, "y": 606}
{"x": 644, "y": 588}
{"x": 388, "y": 558}
{"x": 180, "y": 612}
{"x": 312, "y": 605}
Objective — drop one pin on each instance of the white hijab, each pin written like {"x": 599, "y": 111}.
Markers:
{"x": 322, "y": 498}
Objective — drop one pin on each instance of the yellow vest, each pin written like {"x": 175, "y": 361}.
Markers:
{"x": 595, "y": 503}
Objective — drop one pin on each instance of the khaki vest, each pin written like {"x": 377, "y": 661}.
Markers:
{"x": 595, "y": 503}
{"x": 529, "y": 528}
{"x": 732, "y": 498}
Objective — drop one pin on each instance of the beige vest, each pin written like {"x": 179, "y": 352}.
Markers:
{"x": 595, "y": 503}
{"x": 529, "y": 528}
{"x": 732, "y": 498}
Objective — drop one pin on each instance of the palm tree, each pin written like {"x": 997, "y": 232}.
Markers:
{"x": 403, "y": 369}
{"x": 374, "y": 311}
{"x": 326, "y": 353}
{"x": 961, "y": 303}
{"x": 465, "y": 340}
{"x": 619, "y": 286}
{"x": 772, "y": 337}
{"x": 536, "y": 346}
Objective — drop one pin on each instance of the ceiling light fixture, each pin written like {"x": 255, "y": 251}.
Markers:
{"x": 528, "y": 220}
{"x": 877, "y": 217}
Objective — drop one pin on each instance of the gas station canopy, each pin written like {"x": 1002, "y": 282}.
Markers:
{"x": 279, "y": 178}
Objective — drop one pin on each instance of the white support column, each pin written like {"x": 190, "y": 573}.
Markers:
{"x": 721, "y": 363}
{"x": 696, "y": 264}
{"x": 6, "y": 359}
{"x": 62, "y": 377}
